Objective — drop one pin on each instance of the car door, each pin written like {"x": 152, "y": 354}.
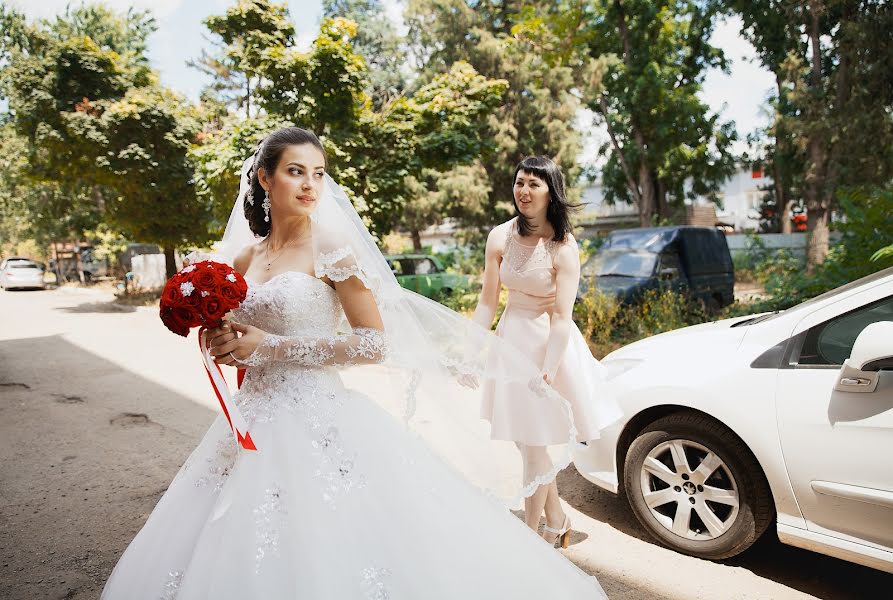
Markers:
{"x": 670, "y": 272}
{"x": 426, "y": 277}
{"x": 837, "y": 446}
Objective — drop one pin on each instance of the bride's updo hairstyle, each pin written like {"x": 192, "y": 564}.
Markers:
{"x": 558, "y": 212}
{"x": 267, "y": 157}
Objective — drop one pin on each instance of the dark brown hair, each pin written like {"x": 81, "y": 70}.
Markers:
{"x": 267, "y": 157}
{"x": 558, "y": 212}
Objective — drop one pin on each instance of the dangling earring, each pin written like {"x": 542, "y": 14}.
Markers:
{"x": 266, "y": 206}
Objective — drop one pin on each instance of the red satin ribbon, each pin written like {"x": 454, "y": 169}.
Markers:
{"x": 245, "y": 440}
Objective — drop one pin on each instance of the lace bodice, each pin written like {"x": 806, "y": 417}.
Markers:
{"x": 291, "y": 303}
{"x": 528, "y": 269}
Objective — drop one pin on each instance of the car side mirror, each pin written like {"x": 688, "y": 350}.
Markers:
{"x": 669, "y": 273}
{"x": 872, "y": 353}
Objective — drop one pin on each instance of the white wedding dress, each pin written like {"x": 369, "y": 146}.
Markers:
{"x": 339, "y": 502}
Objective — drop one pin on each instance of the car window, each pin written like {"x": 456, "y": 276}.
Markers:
{"x": 832, "y": 342}
{"x": 21, "y": 264}
{"x": 401, "y": 266}
{"x": 424, "y": 267}
{"x": 670, "y": 260}
{"x": 623, "y": 264}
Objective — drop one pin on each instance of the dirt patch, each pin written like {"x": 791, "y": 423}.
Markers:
{"x": 64, "y": 399}
{"x": 132, "y": 420}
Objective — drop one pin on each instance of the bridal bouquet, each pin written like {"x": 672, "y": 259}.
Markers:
{"x": 200, "y": 295}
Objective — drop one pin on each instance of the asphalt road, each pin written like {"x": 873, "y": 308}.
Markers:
{"x": 99, "y": 406}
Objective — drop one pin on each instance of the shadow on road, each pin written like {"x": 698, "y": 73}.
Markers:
{"x": 808, "y": 572}
{"x": 88, "y": 448}
{"x": 98, "y": 307}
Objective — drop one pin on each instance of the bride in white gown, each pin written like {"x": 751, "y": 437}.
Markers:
{"x": 341, "y": 500}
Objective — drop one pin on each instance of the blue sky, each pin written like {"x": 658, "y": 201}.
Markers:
{"x": 181, "y": 36}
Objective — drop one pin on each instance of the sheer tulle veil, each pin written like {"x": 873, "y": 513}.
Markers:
{"x": 431, "y": 351}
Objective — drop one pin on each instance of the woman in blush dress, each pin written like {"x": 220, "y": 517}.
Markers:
{"x": 535, "y": 256}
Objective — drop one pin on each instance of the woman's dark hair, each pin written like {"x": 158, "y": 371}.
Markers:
{"x": 267, "y": 157}
{"x": 558, "y": 213}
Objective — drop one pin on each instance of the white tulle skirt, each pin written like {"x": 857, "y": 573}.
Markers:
{"x": 339, "y": 502}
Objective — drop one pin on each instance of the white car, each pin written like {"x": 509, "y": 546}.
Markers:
{"x": 784, "y": 418}
{"x": 21, "y": 273}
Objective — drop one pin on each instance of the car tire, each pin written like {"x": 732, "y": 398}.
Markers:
{"x": 713, "y": 518}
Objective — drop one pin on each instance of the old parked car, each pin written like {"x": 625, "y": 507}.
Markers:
{"x": 782, "y": 419}
{"x": 691, "y": 260}
{"x": 21, "y": 273}
{"x": 425, "y": 275}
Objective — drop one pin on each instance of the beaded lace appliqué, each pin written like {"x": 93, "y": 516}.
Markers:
{"x": 374, "y": 584}
{"x": 267, "y": 521}
{"x": 218, "y": 465}
{"x": 171, "y": 586}
{"x": 371, "y": 346}
{"x": 336, "y": 468}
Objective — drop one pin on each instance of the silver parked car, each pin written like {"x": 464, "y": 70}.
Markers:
{"x": 21, "y": 273}
{"x": 780, "y": 420}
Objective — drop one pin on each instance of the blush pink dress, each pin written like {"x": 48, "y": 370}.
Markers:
{"x": 529, "y": 275}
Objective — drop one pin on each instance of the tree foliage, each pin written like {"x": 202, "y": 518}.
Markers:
{"x": 665, "y": 144}
{"x": 378, "y": 43}
{"x": 538, "y": 110}
{"x": 832, "y": 62}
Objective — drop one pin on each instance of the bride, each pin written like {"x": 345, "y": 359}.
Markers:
{"x": 341, "y": 500}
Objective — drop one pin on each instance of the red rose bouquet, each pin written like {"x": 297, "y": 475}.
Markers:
{"x": 200, "y": 295}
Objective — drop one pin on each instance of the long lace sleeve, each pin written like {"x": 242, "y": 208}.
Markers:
{"x": 364, "y": 346}
{"x": 567, "y": 263}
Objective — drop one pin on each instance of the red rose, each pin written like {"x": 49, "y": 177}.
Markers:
{"x": 223, "y": 269}
{"x": 230, "y": 292}
{"x": 187, "y": 316}
{"x": 194, "y": 299}
{"x": 171, "y": 322}
{"x": 206, "y": 279}
{"x": 213, "y": 309}
{"x": 171, "y": 294}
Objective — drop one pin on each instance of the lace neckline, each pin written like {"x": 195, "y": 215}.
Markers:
{"x": 522, "y": 258}
{"x": 516, "y": 237}
{"x": 258, "y": 284}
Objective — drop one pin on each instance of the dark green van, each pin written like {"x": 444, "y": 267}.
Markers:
{"x": 425, "y": 275}
{"x": 691, "y": 260}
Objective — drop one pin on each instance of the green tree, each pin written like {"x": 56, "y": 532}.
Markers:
{"x": 412, "y": 148}
{"x": 377, "y": 42}
{"x": 383, "y": 155}
{"x": 538, "y": 111}
{"x": 142, "y": 144}
{"x": 243, "y": 33}
{"x": 664, "y": 142}
{"x": 55, "y": 66}
{"x": 831, "y": 59}
{"x": 102, "y": 138}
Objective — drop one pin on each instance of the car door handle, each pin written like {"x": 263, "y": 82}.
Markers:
{"x": 855, "y": 381}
